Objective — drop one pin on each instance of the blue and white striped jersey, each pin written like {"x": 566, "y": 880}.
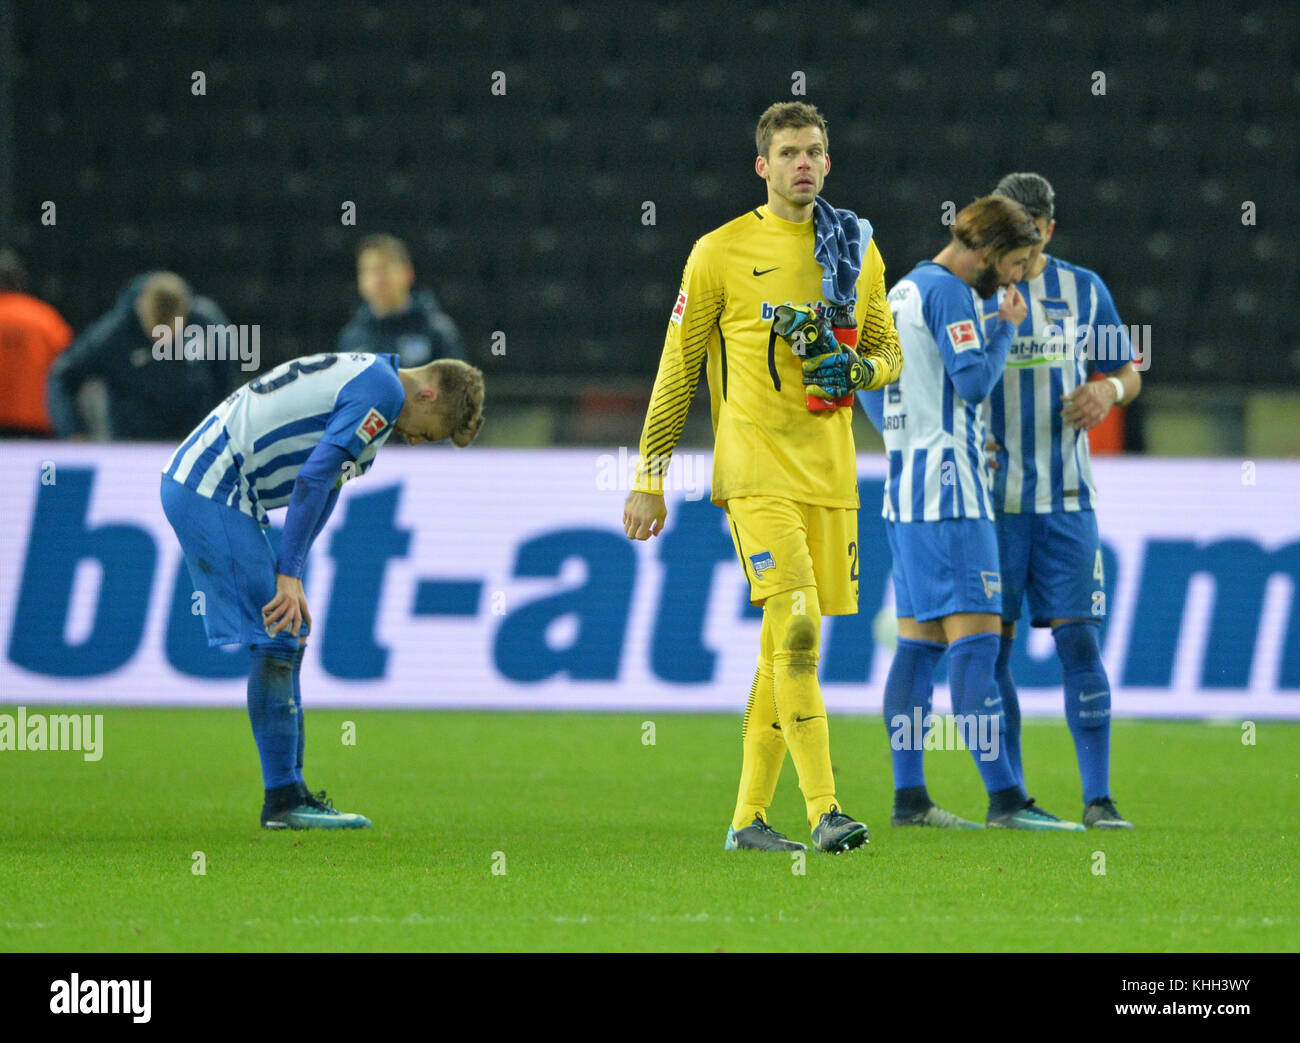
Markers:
{"x": 247, "y": 452}
{"x": 934, "y": 438}
{"x": 1044, "y": 463}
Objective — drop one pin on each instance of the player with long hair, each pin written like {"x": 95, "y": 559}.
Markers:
{"x": 939, "y": 511}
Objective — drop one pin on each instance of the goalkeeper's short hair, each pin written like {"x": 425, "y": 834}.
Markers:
{"x": 788, "y": 115}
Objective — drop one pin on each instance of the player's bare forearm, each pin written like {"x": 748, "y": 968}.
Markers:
{"x": 1087, "y": 405}
{"x": 1131, "y": 378}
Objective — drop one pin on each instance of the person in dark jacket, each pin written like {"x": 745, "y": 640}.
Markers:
{"x": 117, "y": 381}
{"x": 392, "y": 318}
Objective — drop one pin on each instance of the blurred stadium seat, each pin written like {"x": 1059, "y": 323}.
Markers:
{"x": 526, "y": 208}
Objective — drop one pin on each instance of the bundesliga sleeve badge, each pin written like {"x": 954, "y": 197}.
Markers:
{"x": 963, "y": 336}
{"x": 371, "y": 426}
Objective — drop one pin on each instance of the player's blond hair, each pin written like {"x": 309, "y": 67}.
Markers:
{"x": 996, "y": 223}
{"x": 788, "y": 115}
{"x": 460, "y": 395}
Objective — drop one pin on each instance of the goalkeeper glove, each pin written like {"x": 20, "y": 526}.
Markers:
{"x": 837, "y": 376}
{"x": 810, "y": 334}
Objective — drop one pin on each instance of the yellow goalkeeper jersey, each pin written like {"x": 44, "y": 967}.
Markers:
{"x": 766, "y": 440}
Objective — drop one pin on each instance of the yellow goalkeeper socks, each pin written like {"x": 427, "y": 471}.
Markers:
{"x": 764, "y": 751}
{"x": 795, "y": 619}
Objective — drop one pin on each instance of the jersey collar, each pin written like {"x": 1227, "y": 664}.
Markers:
{"x": 781, "y": 224}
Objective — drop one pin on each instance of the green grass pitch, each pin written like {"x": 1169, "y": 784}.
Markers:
{"x": 610, "y": 844}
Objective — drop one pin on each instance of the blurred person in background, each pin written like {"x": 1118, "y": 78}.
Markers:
{"x": 110, "y": 385}
{"x": 31, "y": 336}
{"x": 393, "y": 318}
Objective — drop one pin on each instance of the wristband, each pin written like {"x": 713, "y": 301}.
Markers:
{"x": 1119, "y": 390}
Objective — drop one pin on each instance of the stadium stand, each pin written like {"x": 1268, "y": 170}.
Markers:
{"x": 525, "y": 209}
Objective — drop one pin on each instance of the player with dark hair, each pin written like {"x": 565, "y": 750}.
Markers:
{"x": 775, "y": 300}
{"x": 1044, "y": 495}
{"x": 938, "y": 509}
{"x": 291, "y": 438}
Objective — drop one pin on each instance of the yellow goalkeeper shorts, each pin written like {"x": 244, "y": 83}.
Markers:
{"x": 784, "y": 545}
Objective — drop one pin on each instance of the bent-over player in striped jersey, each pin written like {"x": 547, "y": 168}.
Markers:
{"x": 291, "y": 438}
{"x": 785, "y": 474}
{"x": 1039, "y": 415}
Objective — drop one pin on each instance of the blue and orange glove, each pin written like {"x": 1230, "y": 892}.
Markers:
{"x": 838, "y": 376}
{"x": 809, "y": 332}
{"x": 813, "y": 336}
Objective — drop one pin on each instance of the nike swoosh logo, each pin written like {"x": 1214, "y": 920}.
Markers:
{"x": 1090, "y": 698}
{"x": 992, "y": 702}
{"x": 800, "y": 720}
{"x": 776, "y": 726}
{"x": 765, "y": 270}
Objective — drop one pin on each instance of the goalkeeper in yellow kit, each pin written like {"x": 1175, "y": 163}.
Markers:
{"x": 754, "y": 298}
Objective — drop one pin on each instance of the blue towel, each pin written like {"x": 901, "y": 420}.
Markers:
{"x": 841, "y": 238}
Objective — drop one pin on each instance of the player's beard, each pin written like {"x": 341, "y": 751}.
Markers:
{"x": 789, "y": 195}
{"x": 986, "y": 283}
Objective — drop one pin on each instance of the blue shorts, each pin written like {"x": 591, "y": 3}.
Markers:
{"x": 1054, "y": 558}
{"x": 230, "y": 561}
{"x": 944, "y": 567}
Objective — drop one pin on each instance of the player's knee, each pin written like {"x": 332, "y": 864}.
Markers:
{"x": 795, "y": 616}
{"x": 1077, "y": 646}
{"x": 278, "y": 652}
{"x": 802, "y": 635}
{"x": 273, "y": 663}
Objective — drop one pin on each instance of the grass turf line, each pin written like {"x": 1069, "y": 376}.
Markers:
{"x": 610, "y": 844}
